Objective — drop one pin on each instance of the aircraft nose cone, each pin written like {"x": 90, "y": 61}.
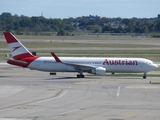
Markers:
{"x": 155, "y": 66}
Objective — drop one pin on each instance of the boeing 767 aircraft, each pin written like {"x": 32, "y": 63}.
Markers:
{"x": 99, "y": 66}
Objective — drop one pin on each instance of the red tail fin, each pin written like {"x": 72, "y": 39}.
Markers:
{"x": 17, "y": 49}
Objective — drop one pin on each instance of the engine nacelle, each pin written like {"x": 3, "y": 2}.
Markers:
{"x": 99, "y": 71}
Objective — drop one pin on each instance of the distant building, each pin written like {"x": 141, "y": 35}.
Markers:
{"x": 159, "y": 16}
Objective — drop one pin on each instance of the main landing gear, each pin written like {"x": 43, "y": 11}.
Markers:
{"x": 80, "y": 75}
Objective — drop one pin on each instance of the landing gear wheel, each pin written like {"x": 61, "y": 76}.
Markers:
{"x": 144, "y": 76}
{"x": 80, "y": 76}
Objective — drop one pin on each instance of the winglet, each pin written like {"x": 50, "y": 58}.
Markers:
{"x": 56, "y": 57}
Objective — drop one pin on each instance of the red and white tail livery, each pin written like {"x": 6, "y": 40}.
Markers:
{"x": 23, "y": 57}
{"x": 17, "y": 49}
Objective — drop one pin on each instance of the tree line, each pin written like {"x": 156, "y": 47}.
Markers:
{"x": 93, "y": 24}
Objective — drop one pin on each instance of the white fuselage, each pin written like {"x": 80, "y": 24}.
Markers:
{"x": 99, "y": 66}
{"x": 113, "y": 65}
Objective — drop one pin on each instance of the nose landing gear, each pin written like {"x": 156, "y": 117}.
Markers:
{"x": 145, "y": 76}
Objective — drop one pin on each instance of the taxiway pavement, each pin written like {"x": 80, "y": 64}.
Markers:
{"x": 34, "y": 95}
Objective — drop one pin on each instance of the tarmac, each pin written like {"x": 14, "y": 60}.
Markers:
{"x": 34, "y": 95}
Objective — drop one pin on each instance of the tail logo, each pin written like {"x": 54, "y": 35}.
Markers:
{"x": 15, "y": 48}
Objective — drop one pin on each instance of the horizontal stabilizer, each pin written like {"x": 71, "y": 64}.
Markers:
{"x": 17, "y": 62}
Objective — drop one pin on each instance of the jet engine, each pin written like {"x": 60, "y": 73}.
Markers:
{"x": 99, "y": 71}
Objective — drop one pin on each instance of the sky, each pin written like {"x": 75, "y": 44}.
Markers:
{"x": 77, "y": 8}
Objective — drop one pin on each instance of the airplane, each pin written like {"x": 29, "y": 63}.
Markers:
{"x": 22, "y": 57}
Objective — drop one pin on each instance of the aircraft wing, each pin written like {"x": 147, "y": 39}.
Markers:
{"x": 80, "y": 66}
{"x": 76, "y": 66}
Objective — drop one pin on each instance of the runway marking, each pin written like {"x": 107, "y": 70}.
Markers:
{"x": 36, "y": 101}
{"x": 64, "y": 113}
{"x": 69, "y": 112}
{"x": 61, "y": 95}
{"x": 118, "y": 92}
